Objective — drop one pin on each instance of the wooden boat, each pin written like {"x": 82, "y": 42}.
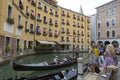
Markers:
{"x": 70, "y": 75}
{"x": 41, "y": 66}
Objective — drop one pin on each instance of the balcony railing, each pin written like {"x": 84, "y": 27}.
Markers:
{"x": 20, "y": 26}
{"x": 10, "y": 20}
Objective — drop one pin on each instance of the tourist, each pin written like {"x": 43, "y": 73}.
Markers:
{"x": 92, "y": 60}
{"x": 56, "y": 60}
{"x": 65, "y": 59}
{"x": 101, "y": 55}
{"x": 108, "y": 58}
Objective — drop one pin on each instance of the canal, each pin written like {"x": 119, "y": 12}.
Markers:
{"x": 6, "y": 71}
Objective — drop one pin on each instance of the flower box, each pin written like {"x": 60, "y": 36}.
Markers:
{"x": 33, "y": 3}
{"x": 10, "y": 20}
{"x": 20, "y": 26}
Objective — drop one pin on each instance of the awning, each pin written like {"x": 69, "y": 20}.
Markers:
{"x": 63, "y": 42}
{"x": 46, "y": 42}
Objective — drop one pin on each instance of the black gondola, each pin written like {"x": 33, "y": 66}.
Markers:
{"x": 42, "y": 66}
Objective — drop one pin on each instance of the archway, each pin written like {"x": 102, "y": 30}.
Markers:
{"x": 106, "y": 43}
{"x": 115, "y": 43}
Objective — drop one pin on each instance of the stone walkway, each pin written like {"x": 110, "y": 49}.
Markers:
{"x": 91, "y": 76}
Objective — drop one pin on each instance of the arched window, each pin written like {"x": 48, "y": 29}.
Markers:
{"x": 113, "y": 33}
{"x": 108, "y": 34}
{"x": 98, "y": 35}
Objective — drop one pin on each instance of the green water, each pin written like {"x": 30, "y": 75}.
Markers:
{"x": 6, "y": 71}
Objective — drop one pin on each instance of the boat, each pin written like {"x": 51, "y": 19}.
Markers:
{"x": 41, "y": 66}
{"x": 61, "y": 75}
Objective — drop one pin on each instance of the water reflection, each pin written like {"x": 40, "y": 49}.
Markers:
{"x": 6, "y": 71}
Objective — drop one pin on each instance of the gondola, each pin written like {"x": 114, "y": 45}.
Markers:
{"x": 69, "y": 74}
{"x": 41, "y": 66}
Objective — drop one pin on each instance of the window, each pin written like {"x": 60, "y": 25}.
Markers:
{"x": 31, "y": 28}
{"x": 108, "y": 34}
{"x": 73, "y": 39}
{"x": 62, "y": 38}
{"x": 39, "y": 4}
{"x": 9, "y": 11}
{"x": 107, "y": 23}
{"x": 45, "y": 8}
{"x": 38, "y": 16}
{"x": 62, "y": 21}
{"x": 50, "y": 10}
{"x": 107, "y": 13}
{"x": 26, "y": 9}
{"x": 113, "y": 33}
{"x": 98, "y": 25}
{"x": 68, "y": 14}
{"x": 98, "y": 35}
{"x": 56, "y": 13}
{"x": 19, "y": 19}
{"x": 113, "y": 11}
{"x": 26, "y": 23}
{"x": 55, "y": 22}
{"x": 67, "y": 38}
{"x": 74, "y": 23}
{"x": 78, "y": 17}
{"x": 113, "y": 22}
{"x": 74, "y": 16}
{"x": 50, "y": 20}
{"x": 99, "y": 15}
{"x": 44, "y": 20}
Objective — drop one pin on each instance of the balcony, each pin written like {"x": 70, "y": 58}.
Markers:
{"x": 45, "y": 11}
{"x": 26, "y": 30}
{"x": 74, "y": 25}
{"x": 56, "y": 25}
{"x": 82, "y": 34}
{"x": 74, "y": 17}
{"x": 62, "y": 40}
{"x": 50, "y": 35}
{"x": 63, "y": 23}
{"x": 10, "y": 21}
{"x": 44, "y": 34}
{"x": 45, "y": 22}
{"x": 27, "y": 13}
{"x": 63, "y": 32}
{"x": 78, "y": 34}
{"x": 78, "y": 26}
{"x": 68, "y": 16}
{"x": 39, "y": 20}
{"x": 32, "y": 32}
{"x": 56, "y": 15}
{"x": 50, "y": 23}
{"x": 55, "y": 36}
{"x": 39, "y": 7}
{"x": 51, "y": 13}
{"x": 38, "y": 33}
{"x": 68, "y": 23}
{"x": 82, "y": 27}
{"x": 78, "y": 19}
{"x": 33, "y": 3}
{"x": 63, "y": 14}
{"x": 74, "y": 33}
{"x": 32, "y": 17}
{"x": 68, "y": 40}
{"x": 20, "y": 26}
{"x": 68, "y": 32}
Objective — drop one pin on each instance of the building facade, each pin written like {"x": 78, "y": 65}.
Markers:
{"x": 108, "y": 26}
{"x": 25, "y": 23}
{"x": 93, "y": 28}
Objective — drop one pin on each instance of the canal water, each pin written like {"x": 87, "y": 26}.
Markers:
{"x": 6, "y": 71}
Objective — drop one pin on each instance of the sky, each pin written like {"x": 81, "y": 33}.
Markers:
{"x": 88, "y": 6}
